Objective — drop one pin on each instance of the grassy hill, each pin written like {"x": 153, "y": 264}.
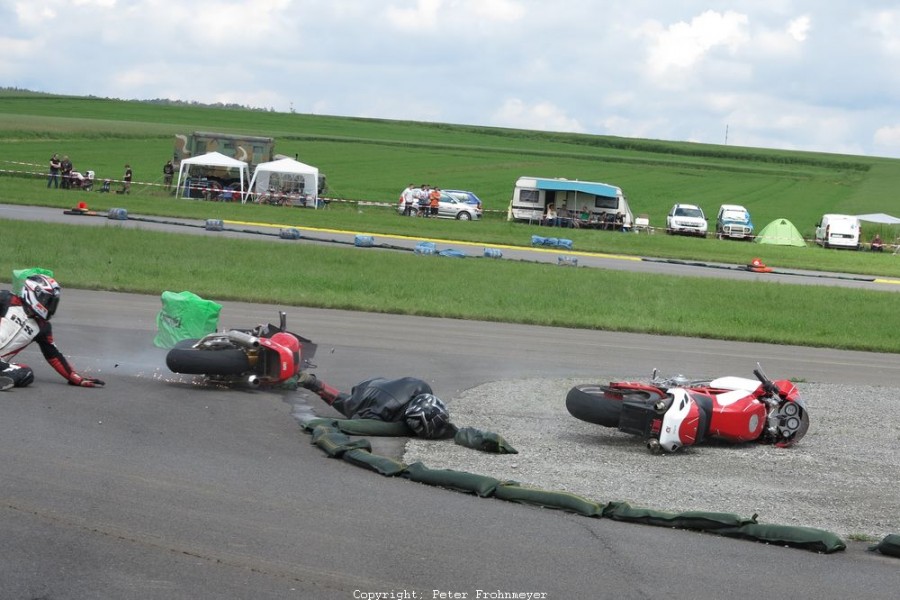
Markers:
{"x": 369, "y": 159}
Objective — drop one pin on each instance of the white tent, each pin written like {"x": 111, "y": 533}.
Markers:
{"x": 287, "y": 175}
{"x": 882, "y": 218}
{"x": 215, "y": 160}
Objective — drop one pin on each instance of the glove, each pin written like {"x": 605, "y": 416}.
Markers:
{"x": 76, "y": 379}
{"x": 307, "y": 380}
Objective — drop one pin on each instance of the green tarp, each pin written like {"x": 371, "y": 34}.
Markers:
{"x": 20, "y": 275}
{"x": 185, "y": 316}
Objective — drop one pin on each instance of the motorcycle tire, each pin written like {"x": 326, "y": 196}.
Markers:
{"x": 589, "y": 402}
{"x": 190, "y": 361}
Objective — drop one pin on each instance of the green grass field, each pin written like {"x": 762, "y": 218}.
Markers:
{"x": 372, "y": 160}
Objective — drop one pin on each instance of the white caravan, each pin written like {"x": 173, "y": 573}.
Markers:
{"x": 532, "y": 195}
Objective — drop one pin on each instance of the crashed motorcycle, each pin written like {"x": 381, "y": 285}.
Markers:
{"x": 265, "y": 355}
{"x": 673, "y": 413}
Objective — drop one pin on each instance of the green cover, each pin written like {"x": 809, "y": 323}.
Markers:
{"x": 335, "y": 443}
{"x": 374, "y": 462}
{"x": 20, "y": 275}
{"x": 185, "y": 316}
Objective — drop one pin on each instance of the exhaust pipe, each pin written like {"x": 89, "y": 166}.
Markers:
{"x": 253, "y": 381}
{"x": 243, "y": 339}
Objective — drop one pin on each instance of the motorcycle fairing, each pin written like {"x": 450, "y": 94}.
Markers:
{"x": 683, "y": 423}
{"x": 737, "y": 415}
{"x": 282, "y": 361}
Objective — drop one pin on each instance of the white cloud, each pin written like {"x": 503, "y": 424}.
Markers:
{"x": 798, "y": 28}
{"x": 682, "y": 45}
{"x": 543, "y": 116}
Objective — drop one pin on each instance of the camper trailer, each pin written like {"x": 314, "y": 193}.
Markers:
{"x": 532, "y": 196}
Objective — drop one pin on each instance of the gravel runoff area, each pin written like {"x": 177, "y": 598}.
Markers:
{"x": 843, "y": 476}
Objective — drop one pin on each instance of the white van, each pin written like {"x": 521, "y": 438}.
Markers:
{"x": 838, "y": 231}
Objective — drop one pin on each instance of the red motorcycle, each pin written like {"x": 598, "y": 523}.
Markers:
{"x": 266, "y": 355}
{"x": 673, "y": 413}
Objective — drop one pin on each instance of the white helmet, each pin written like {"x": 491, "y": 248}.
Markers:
{"x": 40, "y": 295}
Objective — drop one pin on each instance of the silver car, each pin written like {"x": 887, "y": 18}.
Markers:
{"x": 449, "y": 207}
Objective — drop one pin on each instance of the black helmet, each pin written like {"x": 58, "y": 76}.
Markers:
{"x": 40, "y": 295}
{"x": 427, "y": 415}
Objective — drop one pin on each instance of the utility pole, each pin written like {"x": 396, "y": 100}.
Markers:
{"x": 726, "y": 134}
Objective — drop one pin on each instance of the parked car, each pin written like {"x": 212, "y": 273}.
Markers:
{"x": 466, "y": 196}
{"x": 686, "y": 219}
{"x": 451, "y": 207}
{"x": 733, "y": 221}
{"x": 838, "y": 231}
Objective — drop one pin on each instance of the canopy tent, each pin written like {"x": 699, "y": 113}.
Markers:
{"x": 881, "y": 218}
{"x": 287, "y": 176}
{"x": 780, "y": 232}
{"x": 210, "y": 160}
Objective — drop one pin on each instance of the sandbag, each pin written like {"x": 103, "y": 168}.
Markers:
{"x": 459, "y": 481}
{"x": 806, "y": 538}
{"x": 374, "y": 462}
{"x": 336, "y": 443}
{"x": 362, "y": 427}
{"x": 514, "y": 492}
{"x": 185, "y": 316}
{"x": 20, "y": 275}
{"x": 889, "y": 546}
{"x": 698, "y": 520}
{"x": 486, "y": 441}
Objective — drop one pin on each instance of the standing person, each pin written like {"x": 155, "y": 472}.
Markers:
{"x": 408, "y": 198}
{"x": 393, "y": 400}
{"x": 434, "y": 201}
{"x": 66, "y": 169}
{"x": 126, "y": 180}
{"x": 55, "y": 166}
{"x": 26, "y": 318}
{"x": 168, "y": 174}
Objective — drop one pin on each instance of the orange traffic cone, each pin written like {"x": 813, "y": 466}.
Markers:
{"x": 758, "y": 266}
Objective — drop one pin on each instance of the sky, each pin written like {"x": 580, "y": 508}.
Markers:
{"x": 787, "y": 74}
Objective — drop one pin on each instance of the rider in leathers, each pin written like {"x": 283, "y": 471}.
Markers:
{"x": 26, "y": 318}
{"x": 405, "y": 399}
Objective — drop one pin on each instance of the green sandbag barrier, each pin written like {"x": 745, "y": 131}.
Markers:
{"x": 806, "y": 538}
{"x": 513, "y": 492}
{"x": 448, "y": 478}
{"x": 361, "y": 427}
{"x": 331, "y": 435}
{"x": 335, "y": 443}
{"x": 374, "y": 462}
{"x": 889, "y": 546}
{"x": 699, "y": 520}
{"x": 486, "y": 441}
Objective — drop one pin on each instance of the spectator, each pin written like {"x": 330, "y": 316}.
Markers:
{"x": 168, "y": 174}
{"x": 434, "y": 201}
{"x": 408, "y": 198}
{"x": 877, "y": 245}
{"x": 66, "y": 169}
{"x": 55, "y": 166}
{"x": 126, "y": 180}
{"x": 550, "y": 218}
{"x": 421, "y": 197}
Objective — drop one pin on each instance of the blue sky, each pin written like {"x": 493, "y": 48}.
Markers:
{"x": 792, "y": 74}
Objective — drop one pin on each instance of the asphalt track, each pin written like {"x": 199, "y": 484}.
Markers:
{"x": 156, "y": 487}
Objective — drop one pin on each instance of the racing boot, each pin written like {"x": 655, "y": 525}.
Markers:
{"x": 6, "y": 383}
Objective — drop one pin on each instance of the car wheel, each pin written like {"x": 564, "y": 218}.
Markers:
{"x": 464, "y": 216}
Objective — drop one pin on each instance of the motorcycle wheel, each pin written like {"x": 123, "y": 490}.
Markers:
{"x": 590, "y": 403}
{"x": 190, "y": 361}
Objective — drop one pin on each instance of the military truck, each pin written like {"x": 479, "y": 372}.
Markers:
{"x": 251, "y": 149}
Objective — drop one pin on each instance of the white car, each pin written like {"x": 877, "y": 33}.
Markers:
{"x": 686, "y": 219}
